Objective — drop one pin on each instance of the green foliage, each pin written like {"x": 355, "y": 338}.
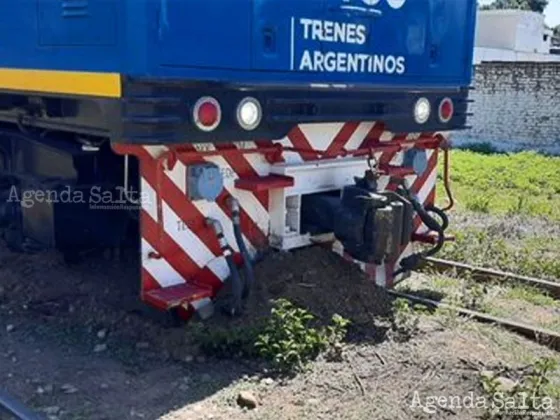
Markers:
{"x": 539, "y": 382}
{"x": 286, "y": 338}
{"x": 226, "y": 341}
{"x": 405, "y": 320}
{"x": 479, "y": 203}
{"x": 531, "y": 388}
{"x": 289, "y": 341}
{"x": 334, "y": 335}
{"x": 534, "y": 5}
{"x": 473, "y": 295}
{"x": 484, "y": 148}
{"x": 536, "y": 257}
{"x": 522, "y": 183}
{"x": 531, "y": 295}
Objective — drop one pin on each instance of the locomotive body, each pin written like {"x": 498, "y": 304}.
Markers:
{"x": 218, "y": 129}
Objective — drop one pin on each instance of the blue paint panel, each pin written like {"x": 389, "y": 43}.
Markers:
{"x": 409, "y": 43}
{"x": 35, "y": 34}
{"x": 209, "y": 33}
{"x": 62, "y": 22}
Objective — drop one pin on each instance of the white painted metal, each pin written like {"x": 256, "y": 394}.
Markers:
{"x": 309, "y": 178}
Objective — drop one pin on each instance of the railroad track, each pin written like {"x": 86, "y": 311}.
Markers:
{"x": 486, "y": 274}
{"x": 16, "y": 409}
{"x": 541, "y": 335}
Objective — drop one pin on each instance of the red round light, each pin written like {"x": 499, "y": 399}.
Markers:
{"x": 446, "y": 110}
{"x": 207, "y": 113}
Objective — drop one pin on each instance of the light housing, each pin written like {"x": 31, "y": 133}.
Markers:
{"x": 249, "y": 113}
{"x": 446, "y": 110}
{"x": 207, "y": 113}
{"x": 422, "y": 110}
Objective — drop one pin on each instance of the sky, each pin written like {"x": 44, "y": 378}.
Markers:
{"x": 552, "y": 13}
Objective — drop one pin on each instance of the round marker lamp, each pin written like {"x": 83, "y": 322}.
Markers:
{"x": 249, "y": 113}
{"x": 207, "y": 113}
{"x": 422, "y": 110}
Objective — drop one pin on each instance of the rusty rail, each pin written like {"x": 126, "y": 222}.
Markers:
{"x": 481, "y": 274}
{"x": 543, "y": 336}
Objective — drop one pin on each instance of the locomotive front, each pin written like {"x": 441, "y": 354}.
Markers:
{"x": 258, "y": 124}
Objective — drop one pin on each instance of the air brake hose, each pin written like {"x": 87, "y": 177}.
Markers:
{"x": 247, "y": 263}
{"x": 446, "y": 178}
{"x": 430, "y": 208}
{"x": 412, "y": 261}
{"x": 236, "y": 284}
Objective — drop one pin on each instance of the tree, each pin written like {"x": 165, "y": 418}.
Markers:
{"x": 556, "y": 31}
{"x": 534, "y": 5}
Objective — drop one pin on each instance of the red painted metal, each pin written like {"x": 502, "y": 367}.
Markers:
{"x": 172, "y": 297}
{"x": 264, "y": 183}
{"x": 430, "y": 238}
{"x": 396, "y": 171}
{"x": 396, "y": 145}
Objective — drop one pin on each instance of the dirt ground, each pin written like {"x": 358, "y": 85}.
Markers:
{"x": 76, "y": 344}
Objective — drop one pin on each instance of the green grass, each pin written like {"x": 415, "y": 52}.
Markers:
{"x": 521, "y": 183}
{"x": 537, "y": 256}
{"x": 531, "y": 295}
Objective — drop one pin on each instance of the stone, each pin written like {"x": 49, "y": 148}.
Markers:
{"x": 142, "y": 345}
{"x": 487, "y": 374}
{"x": 50, "y": 411}
{"x": 100, "y": 348}
{"x": 267, "y": 381}
{"x": 247, "y": 400}
{"x": 10, "y": 327}
{"x": 505, "y": 384}
{"x": 189, "y": 358}
{"x": 101, "y": 334}
{"x": 69, "y": 389}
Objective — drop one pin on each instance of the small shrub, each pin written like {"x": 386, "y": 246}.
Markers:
{"x": 485, "y": 148}
{"x": 335, "y": 335}
{"x": 289, "y": 341}
{"x": 405, "y": 321}
{"x": 538, "y": 382}
{"x": 531, "y": 389}
{"x": 287, "y": 338}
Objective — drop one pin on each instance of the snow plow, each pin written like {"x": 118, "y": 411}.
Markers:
{"x": 212, "y": 132}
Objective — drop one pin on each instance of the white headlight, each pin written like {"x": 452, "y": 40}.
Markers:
{"x": 249, "y": 113}
{"x": 422, "y": 110}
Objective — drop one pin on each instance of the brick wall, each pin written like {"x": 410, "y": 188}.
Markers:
{"x": 517, "y": 106}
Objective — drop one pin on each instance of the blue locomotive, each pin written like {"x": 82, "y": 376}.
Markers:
{"x": 228, "y": 99}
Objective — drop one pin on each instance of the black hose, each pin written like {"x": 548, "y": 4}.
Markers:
{"x": 16, "y": 409}
{"x": 430, "y": 208}
{"x": 412, "y": 261}
{"x": 236, "y": 284}
{"x": 247, "y": 263}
